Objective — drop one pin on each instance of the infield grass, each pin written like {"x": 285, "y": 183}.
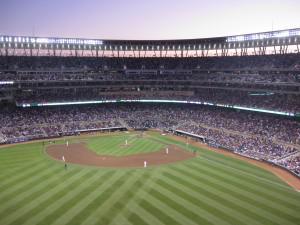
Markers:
{"x": 209, "y": 189}
{"x": 116, "y": 145}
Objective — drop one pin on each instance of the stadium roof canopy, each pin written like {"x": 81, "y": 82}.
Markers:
{"x": 257, "y": 41}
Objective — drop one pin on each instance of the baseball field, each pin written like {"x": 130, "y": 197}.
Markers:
{"x": 198, "y": 186}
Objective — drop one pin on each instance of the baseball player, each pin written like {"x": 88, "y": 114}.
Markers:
{"x": 66, "y": 166}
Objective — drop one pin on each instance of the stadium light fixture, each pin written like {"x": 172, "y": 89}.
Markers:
{"x": 265, "y": 35}
{"x": 6, "y": 82}
{"x": 154, "y": 101}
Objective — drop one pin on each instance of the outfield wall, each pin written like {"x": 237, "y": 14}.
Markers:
{"x": 71, "y": 133}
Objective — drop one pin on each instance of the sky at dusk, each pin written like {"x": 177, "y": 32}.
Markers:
{"x": 145, "y": 19}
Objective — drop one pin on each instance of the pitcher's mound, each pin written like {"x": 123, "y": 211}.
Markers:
{"x": 79, "y": 154}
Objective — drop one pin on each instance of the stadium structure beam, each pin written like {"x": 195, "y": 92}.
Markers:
{"x": 260, "y": 43}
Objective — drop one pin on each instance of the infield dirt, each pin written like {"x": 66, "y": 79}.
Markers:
{"x": 80, "y": 154}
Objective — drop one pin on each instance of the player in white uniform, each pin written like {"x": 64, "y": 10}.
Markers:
{"x": 63, "y": 159}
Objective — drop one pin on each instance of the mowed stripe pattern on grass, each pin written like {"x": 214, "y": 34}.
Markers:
{"x": 210, "y": 189}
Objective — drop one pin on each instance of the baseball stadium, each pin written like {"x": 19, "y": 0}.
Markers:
{"x": 140, "y": 132}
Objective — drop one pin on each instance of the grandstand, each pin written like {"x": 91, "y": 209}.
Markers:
{"x": 240, "y": 93}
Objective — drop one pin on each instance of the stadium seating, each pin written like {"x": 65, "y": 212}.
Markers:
{"x": 266, "y": 82}
{"x": 256, "y": 135}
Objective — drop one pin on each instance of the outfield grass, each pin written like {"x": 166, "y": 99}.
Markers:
{"x": 210, "y": 189}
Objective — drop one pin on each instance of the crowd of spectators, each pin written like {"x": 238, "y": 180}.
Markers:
{"x": 185, "y": 75}
{"x": 260, "y": 136}
{"x": 287, "y": 61}
{"x": 262, "y": 100}
{"x": 265, "y": 82}
{"x": 292, "y": 163}
{"x": 258, "y": 147}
